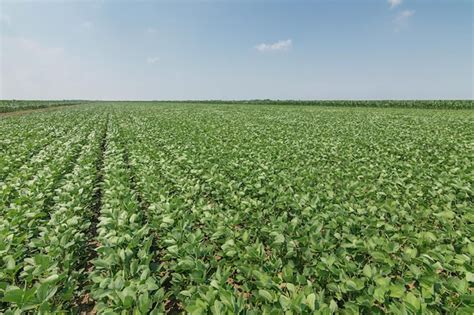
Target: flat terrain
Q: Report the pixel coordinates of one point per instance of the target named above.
(9, 106)
(237, 208)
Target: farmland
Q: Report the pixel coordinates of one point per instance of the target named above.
(238, 208)
(16, 105)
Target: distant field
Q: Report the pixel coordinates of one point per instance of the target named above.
(13, 105)
(243, 208)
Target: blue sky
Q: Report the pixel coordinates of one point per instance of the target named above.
(367, 49)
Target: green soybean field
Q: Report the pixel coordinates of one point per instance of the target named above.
(17, 105)
(237, 208)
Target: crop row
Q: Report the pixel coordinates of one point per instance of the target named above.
(337, 232)
(122, 278)
(44, 221)
(24, 143)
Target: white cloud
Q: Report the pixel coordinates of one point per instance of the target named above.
(5, 19)
(405, 15)
(402, 18)
(152, 60)
(281, 45)
(87, 25)
(394, 3)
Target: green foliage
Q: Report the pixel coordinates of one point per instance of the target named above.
(17, 105)
(238, 209)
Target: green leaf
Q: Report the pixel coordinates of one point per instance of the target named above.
(354, 284)
(217, 308)
(460, 285)
(285, 302)
(410, 253)
(144, 302)
(51, 279)
(469, 276)
(13, 295)
(379, 294)
(412, 300)
(291, 287)
(42, 291)
(367, 271)
(151, 284)
(168, 220)
(311, 300)
(333, 306)
(197, 308)
(448, 214)
(45, 292)
(174, 250)
(266, 295)
(9, 262)
(279, 239)
(396, 290)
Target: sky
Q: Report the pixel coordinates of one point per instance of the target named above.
(179, 50)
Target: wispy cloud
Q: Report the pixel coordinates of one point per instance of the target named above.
(5, 19)
(394, 3)
(404, 15)
(87, 25)
(402, 18)
(152, 60)
(281, 45)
